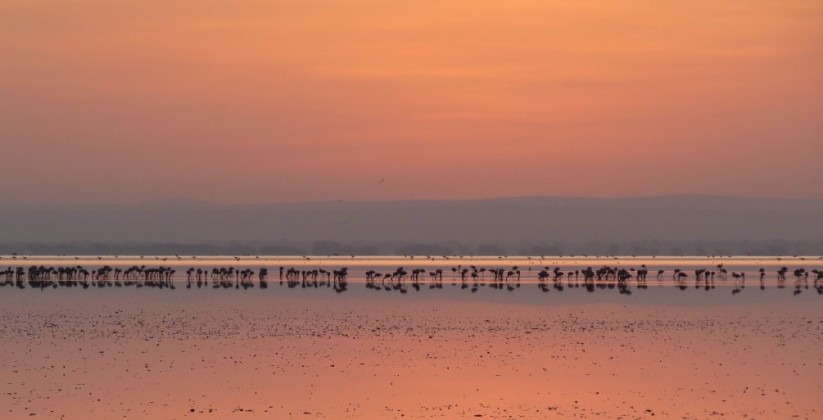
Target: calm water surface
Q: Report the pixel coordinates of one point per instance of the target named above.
(664, 290)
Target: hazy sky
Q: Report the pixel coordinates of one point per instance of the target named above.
(237, 101)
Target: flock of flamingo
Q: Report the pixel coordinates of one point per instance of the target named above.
(400, 280)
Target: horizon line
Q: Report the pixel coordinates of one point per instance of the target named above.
(187, 200)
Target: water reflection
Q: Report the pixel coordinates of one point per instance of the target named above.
(525, 278)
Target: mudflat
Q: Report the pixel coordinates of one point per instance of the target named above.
(199, 354)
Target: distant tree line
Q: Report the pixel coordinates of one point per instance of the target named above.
(742, 247)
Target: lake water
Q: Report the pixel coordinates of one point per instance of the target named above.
(670, 350)
(520, 283)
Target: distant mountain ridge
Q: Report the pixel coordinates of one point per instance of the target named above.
(507, 224)
(698, 200)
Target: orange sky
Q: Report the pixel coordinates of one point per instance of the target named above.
(237, 101)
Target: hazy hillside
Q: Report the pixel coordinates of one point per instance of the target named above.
(535, 225)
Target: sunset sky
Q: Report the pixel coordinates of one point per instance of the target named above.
(241, 101)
